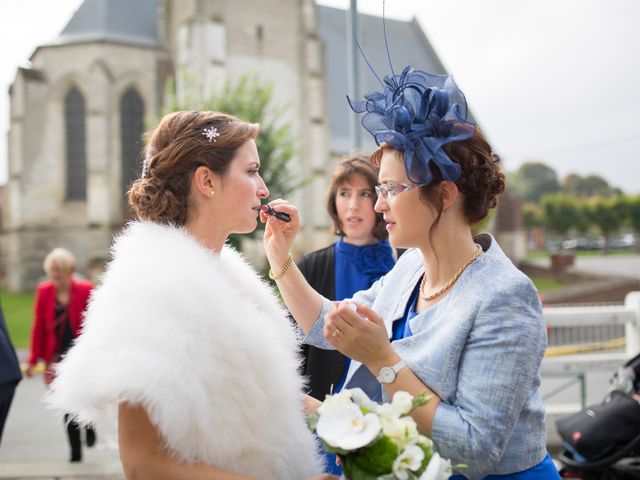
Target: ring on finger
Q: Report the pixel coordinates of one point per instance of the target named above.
(337, 332)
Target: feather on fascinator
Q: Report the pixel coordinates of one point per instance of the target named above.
(417, 113)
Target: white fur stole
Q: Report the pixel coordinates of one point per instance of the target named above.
(201, 342)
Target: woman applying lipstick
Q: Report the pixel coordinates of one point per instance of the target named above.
(182, 336)
(454, 317)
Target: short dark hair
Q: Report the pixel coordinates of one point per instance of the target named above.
(355, 164)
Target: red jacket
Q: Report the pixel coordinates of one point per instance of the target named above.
(43, 335)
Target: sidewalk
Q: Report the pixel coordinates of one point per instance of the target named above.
(34, 444)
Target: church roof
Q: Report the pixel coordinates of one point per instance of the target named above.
(133, 22)
(408, 45)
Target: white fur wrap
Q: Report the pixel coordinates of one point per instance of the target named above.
(201, 342)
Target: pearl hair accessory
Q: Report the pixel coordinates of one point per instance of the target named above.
(211, 133)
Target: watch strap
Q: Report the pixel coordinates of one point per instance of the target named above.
(395, 368)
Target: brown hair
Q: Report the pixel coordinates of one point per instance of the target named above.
(481, 180)
(355, 164)
(175, 148)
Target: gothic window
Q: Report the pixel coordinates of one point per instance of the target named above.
(131, 130)
(76, 161)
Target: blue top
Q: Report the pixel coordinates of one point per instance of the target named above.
(357, 267)
(491, 417)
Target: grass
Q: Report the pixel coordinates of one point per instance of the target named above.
(533, 255)
(18, 314)
(547, 284)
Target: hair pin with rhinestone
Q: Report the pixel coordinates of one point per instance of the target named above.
(211, 133)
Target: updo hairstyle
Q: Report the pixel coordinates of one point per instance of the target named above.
(481, 180)
(175, 148)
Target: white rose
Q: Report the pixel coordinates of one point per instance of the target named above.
(438, 469)
(341, 398)
(426, 441)
(360, 398)
(402, 403)
(410, 459)
(344, 426)
(402, 431)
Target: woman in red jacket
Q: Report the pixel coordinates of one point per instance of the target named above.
(58, 314)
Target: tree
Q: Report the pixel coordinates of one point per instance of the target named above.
(589, 186)
(251, 101)
(559, 212)
(608, 215)
(633, 215)
(531, 215)
(533, 180)
(582, 221)
(573, 184)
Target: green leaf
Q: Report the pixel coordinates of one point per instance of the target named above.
(312, 421)
(421, 400)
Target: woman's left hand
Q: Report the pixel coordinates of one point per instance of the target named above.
(359, 334)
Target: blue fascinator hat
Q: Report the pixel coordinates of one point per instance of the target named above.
(418, 113)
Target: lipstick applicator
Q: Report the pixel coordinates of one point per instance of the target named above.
(285, 217)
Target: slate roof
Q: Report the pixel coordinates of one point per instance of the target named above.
(407, 45)
(132, 22)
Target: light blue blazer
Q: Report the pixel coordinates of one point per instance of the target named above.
(479, 349)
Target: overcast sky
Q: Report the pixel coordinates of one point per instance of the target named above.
(551, 80)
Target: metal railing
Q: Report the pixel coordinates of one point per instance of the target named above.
(609, 334)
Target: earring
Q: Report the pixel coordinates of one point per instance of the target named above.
(212, 193)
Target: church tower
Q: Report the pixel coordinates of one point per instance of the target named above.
(77, 116)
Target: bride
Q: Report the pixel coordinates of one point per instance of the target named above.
(182, 335)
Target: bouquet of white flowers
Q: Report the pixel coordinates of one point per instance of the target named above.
(377, 441)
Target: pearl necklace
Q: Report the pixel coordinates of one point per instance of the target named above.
(450, 282)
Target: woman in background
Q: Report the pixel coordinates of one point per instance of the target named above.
(58, 311)
(358, 258)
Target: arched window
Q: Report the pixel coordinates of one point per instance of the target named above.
(131, 130)
(74, 126)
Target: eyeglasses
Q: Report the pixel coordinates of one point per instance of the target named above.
(391, 189)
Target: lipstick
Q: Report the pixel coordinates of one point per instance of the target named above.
(285, 217)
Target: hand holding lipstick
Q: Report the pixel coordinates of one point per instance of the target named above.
(285, 217)
(282, 225)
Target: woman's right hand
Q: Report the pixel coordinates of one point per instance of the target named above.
(278, 235)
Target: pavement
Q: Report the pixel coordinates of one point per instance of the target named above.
(34, 443)
(605, 265)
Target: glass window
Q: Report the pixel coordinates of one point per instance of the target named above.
(75, 133)
(131, 130)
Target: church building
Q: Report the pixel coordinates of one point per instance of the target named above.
(78, 112)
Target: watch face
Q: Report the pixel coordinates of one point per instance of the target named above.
(387, 375)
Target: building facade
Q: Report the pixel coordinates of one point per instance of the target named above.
(79, 111)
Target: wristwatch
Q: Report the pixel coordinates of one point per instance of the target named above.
(388, 374)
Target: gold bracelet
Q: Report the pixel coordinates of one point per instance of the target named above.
(284, 270)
